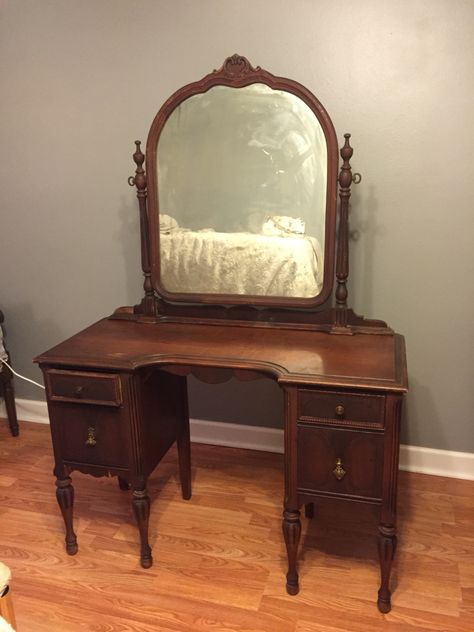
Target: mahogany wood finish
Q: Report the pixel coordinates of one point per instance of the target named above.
(340, 462)
(148, 305)
(116, 424)
(320, 373)
(342, 269)
(117, 393)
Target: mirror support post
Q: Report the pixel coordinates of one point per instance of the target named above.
(148, 304)
(342, 261)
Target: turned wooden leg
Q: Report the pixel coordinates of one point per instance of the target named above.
(387, 545)
(123, 484)
(309, 510)
(65, 498)
(184, 456)
(9, 397)
(141, 509)
(291, 532)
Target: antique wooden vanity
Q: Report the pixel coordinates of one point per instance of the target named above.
(238, 210)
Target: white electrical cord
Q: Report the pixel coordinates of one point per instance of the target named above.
(21, 376)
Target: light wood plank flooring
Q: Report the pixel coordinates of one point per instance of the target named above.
(219, 559)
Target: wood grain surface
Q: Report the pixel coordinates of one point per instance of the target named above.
(290, 356)
(220, 558)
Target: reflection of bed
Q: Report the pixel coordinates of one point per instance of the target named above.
(240, 263)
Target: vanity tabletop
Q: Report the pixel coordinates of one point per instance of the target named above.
(290, 355)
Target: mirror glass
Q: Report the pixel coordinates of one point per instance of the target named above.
(242, 176)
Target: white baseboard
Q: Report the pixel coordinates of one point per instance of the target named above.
(412, 458)
(29, 410)
(437, 462)
(237, 435)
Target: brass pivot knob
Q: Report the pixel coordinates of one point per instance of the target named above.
(339, 472)
(340, 411)
(91, 440)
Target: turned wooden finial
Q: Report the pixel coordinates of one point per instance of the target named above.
(138, 156)
(139, 181)
(342, 262)
(345, 176)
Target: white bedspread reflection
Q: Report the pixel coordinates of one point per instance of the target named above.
(240, 263)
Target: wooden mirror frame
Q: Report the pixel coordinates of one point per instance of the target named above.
(315, 313)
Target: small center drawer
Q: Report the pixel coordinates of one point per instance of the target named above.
(86, 388)
(341, 408)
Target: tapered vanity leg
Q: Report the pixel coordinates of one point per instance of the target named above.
(184, 456)
(184, 445)
(65, 498)
(124, 485)
(141, 509)
(387, 546)
(291, 532)
(387, 541)
(309, 510)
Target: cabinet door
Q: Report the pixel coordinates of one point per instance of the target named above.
(91, 435)
(340, 462)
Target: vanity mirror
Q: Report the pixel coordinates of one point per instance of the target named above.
(238, 205)
(239, 199)
(241, 179)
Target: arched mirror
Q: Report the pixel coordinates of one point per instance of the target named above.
(242, 176)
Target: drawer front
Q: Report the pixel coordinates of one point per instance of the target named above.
(341, 408)
(340, 462)
(84, 387)
(90, 434)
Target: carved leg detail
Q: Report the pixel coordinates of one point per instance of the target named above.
(184, 456)
(309, 510)
(9, 397)
(292, 531)
(141, 509)
(65, 498)
(123, 484)
(387, 545)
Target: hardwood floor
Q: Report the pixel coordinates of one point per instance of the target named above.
(219, 559)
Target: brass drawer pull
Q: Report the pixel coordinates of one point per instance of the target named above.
(340, 411)
(79, 391)
(339, 472)
(91, 440)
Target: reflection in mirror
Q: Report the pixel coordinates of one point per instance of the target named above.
(242, 194)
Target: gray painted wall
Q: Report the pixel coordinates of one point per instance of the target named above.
(82, 80)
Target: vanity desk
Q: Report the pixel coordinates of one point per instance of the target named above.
(262, 236)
